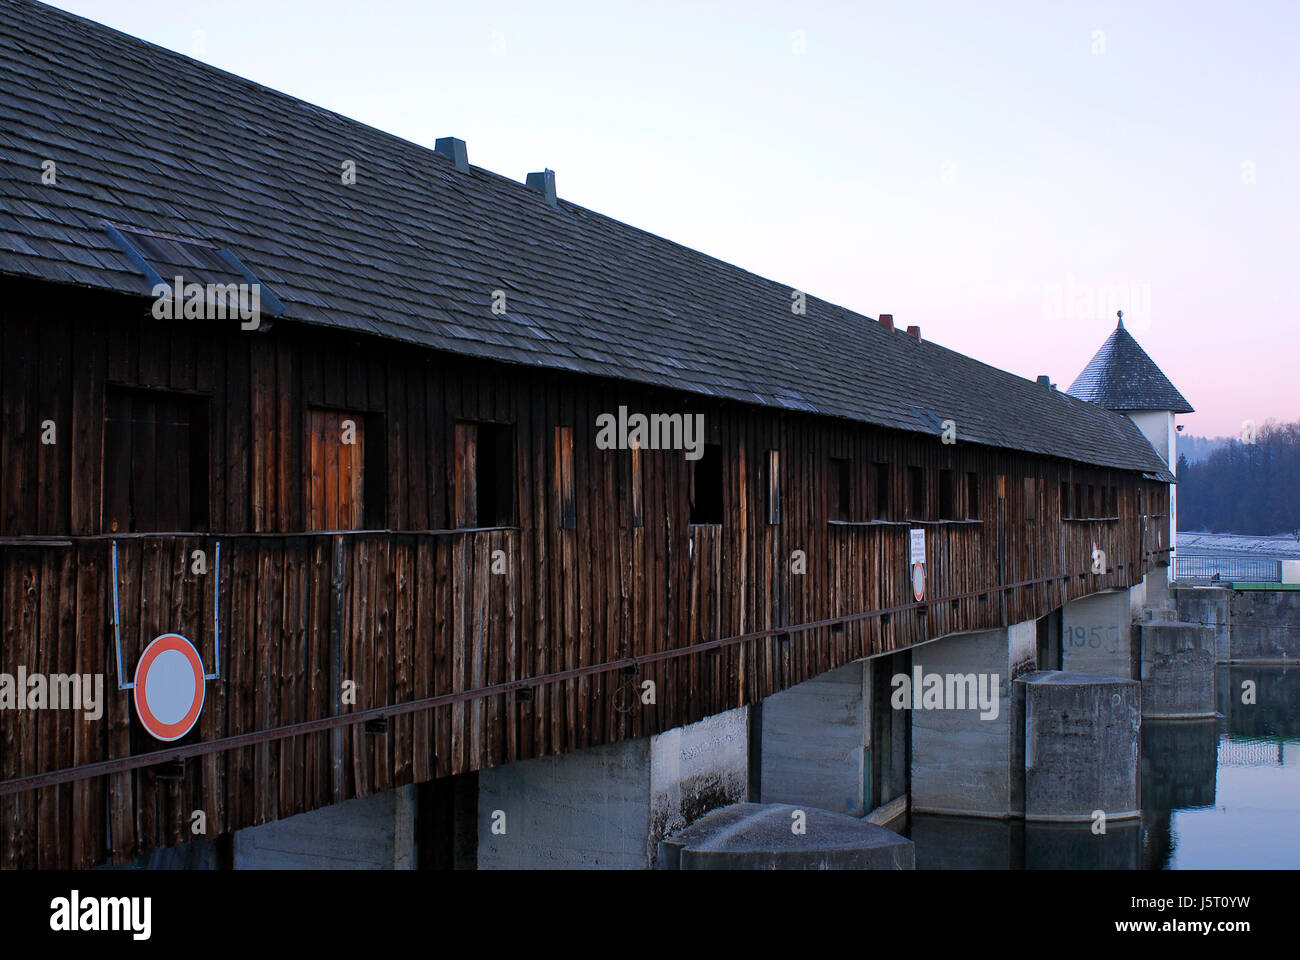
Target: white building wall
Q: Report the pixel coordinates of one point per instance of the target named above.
(1158, 427)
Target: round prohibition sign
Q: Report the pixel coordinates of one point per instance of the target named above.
(169, 687)
(918, 581)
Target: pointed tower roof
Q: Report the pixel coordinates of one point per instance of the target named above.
(1122, 377)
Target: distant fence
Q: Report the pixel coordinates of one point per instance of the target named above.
(1249, 753)
(1242, 569)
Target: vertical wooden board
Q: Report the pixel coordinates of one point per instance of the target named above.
(87, 733)
(465, 478)
(88, 366)
(416, 373)
(381, 679)
(54, 408)
(573, 596)
(11, 592)
(261, 441)
(551, 698)
(403, 639)
(461, 641)
(122, 785)
(322, 691)
(50, 726)
(423, 597)
(212, 722)
(180, 374)
(287, 655)
(397, 427)
(237, 461)
(477, 588)
(492, 592)
(245, 642)
(155, 353)
(20, 438)
(268, 651)
(288, 441)
(334, 387)
(355, 667)
(585, 567)
(443, 644)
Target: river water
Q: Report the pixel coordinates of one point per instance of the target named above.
(1216, 794)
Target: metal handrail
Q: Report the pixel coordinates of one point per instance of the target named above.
(1227, 569)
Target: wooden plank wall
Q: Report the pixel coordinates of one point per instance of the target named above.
(416, 610)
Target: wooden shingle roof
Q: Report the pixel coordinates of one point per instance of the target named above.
(1123, 377)
(149, 139)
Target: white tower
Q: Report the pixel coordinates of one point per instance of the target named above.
(1123, 378)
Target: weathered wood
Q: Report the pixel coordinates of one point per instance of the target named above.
(601, 565)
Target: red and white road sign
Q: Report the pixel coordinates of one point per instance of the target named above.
(169, 687)
(917, 538)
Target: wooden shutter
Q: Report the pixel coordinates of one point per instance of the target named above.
(335, 460)
(566, 507)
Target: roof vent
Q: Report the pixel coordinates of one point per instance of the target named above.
(544, 183)
(916, 332)
(451, 147)
(1045, 381)
(887, 321)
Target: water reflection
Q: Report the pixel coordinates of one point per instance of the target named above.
(1220, 793)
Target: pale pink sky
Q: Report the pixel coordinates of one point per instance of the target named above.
(1001, 174)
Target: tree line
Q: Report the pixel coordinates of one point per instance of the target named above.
(1246, 488)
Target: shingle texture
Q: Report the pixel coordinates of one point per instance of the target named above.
(151, 139)
(1122, 377)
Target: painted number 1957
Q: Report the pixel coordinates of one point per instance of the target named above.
(1094, 638)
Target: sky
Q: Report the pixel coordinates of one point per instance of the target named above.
(1004, 175)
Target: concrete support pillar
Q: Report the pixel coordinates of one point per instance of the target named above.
(1082, 747)
(815, 742)
(1097, 635)
(1211, 607)
(367, 833)
(1158, 591)
(1265, 626)
(1177, 669)
(967, 761)
(608, 807)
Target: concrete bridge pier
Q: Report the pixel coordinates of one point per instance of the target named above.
(1177, 669)
(1211, 607)
(609, 806)
(1082, 748)
(366, 833)
(966, 761)
(1097, 634)
(816, 740)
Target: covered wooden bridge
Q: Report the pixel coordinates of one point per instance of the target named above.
(380, 513)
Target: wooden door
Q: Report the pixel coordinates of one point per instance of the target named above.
(336, 478)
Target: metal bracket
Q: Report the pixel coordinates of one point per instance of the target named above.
(216, 621)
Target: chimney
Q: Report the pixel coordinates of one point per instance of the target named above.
(544, 183)
(916, 332)
(451, 147)
(887, 321)
(1045, 381)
